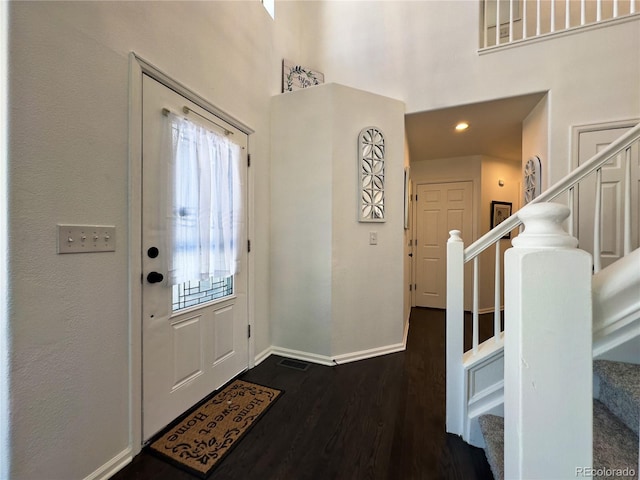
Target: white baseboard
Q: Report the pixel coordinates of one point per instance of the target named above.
(482, 311)
(262, 356)
(337, 359)
(372, 352)
(405, 335)
(112, 466)
(304, 356)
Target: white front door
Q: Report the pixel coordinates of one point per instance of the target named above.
(195, 334)
(613, 191)
(440, 208)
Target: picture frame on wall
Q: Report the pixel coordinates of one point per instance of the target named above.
(500, 211)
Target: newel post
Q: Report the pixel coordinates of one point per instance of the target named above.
(548, 352)
(455, 333)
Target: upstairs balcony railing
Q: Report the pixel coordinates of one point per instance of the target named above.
(506, 22)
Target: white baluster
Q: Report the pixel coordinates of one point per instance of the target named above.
(475, 332)
(597, 220)
(510, 21)
(538, 29)
(524, 19)
(485, 22)
(571, 193)
(632, 6)
(627, 201)
(498, 22)
(496, 311)
(598, 10)
(615, 8)
(553, 16)
(567, 14)
(583, 12)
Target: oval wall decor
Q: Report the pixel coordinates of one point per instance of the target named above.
(371, 152)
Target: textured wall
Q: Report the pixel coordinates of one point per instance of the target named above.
(426, 54)
(333, 293)
(69, 325)
(367, 279)
(69, 74)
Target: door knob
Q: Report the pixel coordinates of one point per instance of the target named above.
(155, 277)
(411, 254)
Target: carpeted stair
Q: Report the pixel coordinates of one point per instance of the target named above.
(616, 418)
(492, 428)
(620, 390)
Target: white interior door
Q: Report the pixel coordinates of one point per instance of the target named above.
(441, 207)
(194, 335)
(613, 190)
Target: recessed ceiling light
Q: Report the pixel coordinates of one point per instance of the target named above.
(462, 126)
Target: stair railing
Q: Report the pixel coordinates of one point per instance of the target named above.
(507, 22)
(458, 256)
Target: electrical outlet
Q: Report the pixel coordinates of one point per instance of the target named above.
(86, 238)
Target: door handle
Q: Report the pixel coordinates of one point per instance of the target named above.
(155, 277)
(411, 254)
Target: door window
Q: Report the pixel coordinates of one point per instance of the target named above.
(205, 212)
(191, 293)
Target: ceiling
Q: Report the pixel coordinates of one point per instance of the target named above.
(495, 129)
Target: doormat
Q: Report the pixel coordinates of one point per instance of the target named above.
(202, 439)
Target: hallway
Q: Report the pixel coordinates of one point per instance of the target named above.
(380, 418)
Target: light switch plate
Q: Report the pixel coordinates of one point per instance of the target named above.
(86, 238)
(373, 238)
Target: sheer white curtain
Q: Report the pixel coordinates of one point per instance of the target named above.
(205, 203)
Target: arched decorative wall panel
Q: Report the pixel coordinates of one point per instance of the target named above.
(371, 157)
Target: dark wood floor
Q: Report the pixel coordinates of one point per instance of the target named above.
(381, 418)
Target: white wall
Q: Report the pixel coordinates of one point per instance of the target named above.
(367, 291)
(535, 140)
(333, 294)
(425, 53)
(494, 169)
(69, 77)
(407, 239)
(302, 220)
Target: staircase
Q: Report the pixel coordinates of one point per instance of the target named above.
(616, 409)
(475, 378)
